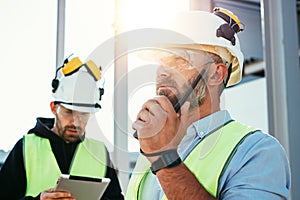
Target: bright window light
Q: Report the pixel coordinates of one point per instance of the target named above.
(145, 13)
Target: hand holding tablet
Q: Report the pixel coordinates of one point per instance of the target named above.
(82, 188)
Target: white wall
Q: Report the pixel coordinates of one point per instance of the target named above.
(247, 103)
(28, 39)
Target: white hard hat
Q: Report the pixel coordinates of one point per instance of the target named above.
(214, 33)
(77, 88)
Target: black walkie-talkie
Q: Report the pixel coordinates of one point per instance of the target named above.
(178, 105)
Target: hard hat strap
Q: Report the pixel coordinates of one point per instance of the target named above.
(228, 76)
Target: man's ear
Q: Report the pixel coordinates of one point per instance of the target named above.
(53, 107)
(218, 74)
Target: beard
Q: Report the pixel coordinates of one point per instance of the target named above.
(72, 137)
(196, 98)
(62, 131)
(170, 94)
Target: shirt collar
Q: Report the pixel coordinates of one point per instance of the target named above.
(209, 123)
(199, 129)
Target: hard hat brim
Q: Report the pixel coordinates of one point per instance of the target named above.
(81, 108)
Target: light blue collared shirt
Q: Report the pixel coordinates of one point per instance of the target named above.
(258, 170)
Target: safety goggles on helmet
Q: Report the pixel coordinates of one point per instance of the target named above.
(75, 64)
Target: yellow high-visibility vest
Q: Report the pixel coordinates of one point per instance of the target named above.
(42, 170)
(208, 160)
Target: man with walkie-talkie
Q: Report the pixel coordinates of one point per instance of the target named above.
(190, 148)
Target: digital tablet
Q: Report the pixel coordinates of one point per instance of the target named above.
(82, 188)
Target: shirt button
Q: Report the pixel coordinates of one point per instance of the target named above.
(201, 133)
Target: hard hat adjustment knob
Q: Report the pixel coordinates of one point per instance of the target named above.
(226, 32)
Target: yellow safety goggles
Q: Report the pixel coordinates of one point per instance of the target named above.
(75, 64)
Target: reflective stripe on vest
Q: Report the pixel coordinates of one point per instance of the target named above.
(42, 170)
(207, 160)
